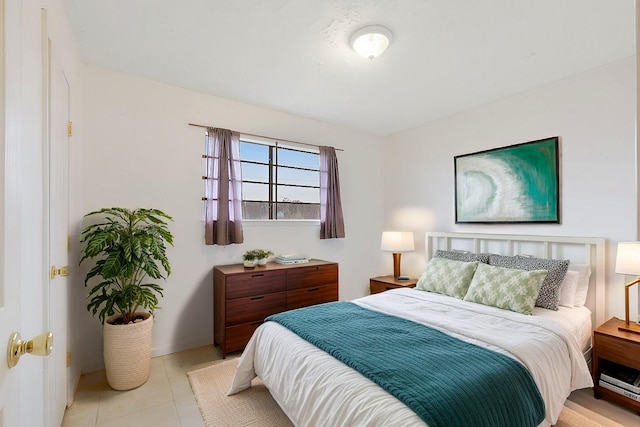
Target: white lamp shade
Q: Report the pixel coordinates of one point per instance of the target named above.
(397, 241)
(628, 258)
(371, 41)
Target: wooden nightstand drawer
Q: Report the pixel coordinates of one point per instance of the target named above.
(386, 283)
(617, 350)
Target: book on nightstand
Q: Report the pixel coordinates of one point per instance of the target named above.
(623, 377)
(619, 390)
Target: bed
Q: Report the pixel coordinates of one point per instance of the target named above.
(317, 387)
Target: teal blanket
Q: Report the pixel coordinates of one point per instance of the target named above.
(446, 381)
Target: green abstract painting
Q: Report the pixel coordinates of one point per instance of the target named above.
(518, 184)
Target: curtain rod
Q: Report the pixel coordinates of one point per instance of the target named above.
(262, 136)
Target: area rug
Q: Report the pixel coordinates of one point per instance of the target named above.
(256, 407)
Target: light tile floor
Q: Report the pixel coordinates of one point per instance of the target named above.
(166, 399)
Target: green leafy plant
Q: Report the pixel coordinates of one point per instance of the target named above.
(256, 254)
(261, 253)
(250, 255)
(130, 247)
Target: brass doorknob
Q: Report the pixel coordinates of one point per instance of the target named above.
(39, 346)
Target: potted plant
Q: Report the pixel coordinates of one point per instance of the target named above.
(250, 258)
(129, 247)
(263, 256)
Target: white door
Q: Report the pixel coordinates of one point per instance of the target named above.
(9, 277)
(58, 150)
(21, 283)
(23, 229)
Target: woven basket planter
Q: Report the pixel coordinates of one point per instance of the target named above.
(127, 352)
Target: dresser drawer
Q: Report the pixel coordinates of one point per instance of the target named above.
(256, 283)
(238, 336)
(310, 296)
(249, 309)
(313, 276)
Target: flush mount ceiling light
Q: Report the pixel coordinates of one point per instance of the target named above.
(371, 41)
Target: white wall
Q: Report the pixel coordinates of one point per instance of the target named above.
(140, 152)
(593, 113)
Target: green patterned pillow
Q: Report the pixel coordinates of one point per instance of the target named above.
(502, 287)
(448, 277)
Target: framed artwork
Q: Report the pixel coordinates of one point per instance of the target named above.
(514, 184)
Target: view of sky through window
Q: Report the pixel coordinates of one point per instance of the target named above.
(287, 178)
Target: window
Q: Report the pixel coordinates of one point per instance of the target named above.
(279, 181)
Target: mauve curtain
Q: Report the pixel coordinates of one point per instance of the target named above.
(331, 219)
(223, 207)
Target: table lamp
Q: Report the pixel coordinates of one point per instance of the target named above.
(397, 242)
(628, 263)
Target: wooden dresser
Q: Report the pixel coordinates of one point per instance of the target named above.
(243, 297)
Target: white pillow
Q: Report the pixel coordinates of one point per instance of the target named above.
(568, 289)
(584, 272)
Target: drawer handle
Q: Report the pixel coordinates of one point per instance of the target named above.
(255, 298)
(388, 288)
(257, 275)
(313, 289)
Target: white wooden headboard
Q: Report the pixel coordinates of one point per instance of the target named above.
(580, 250)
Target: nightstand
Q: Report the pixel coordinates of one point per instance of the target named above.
(612, 345)
(385, 283)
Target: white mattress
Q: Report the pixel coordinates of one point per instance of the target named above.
(313, 388)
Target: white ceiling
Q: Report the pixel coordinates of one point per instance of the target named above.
(293, 55)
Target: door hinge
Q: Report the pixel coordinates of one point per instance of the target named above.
(70, 128)
(68, 243)
(68, 359)
(62, 271)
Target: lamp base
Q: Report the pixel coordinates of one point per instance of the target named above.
(632, 327)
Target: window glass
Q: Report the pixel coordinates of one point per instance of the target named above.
(254, 152)
(298, 194)
(279, 183)
(297, 176)
(298, 159)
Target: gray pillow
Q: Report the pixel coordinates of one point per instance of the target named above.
(549, 296)
(463, 256)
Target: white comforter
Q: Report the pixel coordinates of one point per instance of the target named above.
(314, 389)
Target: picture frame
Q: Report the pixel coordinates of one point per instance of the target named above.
(514, 184)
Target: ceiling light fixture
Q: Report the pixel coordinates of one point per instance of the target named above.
(371, 41)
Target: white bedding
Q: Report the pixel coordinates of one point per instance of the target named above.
(577, 319)
(315, 389)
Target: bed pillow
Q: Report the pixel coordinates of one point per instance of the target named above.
(584, 272)
(462, 256)
(568, 289)
(446, 276)
(511, 289)
(549, 296)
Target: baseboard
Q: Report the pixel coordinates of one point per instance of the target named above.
(181, 346)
